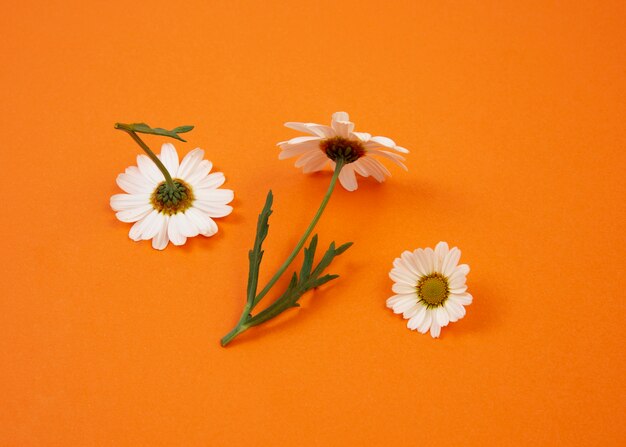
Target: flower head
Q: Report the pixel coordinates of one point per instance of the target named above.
(164, 213)
(430, 288)
(327, 144)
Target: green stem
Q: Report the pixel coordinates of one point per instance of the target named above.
(129, 130)
(242, 325)
(233, 333)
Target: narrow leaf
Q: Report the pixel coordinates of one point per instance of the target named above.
(144, 128)
(255, 255)
(309, 255)
(343, 248)
(182, 129)
(324, 279)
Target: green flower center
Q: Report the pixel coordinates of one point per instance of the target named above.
(170, 201)
(342, 148)
(433, 289)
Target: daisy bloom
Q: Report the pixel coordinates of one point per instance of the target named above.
(325, 145)
(430, 288)
(164, 212)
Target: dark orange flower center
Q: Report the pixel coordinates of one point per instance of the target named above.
(342, 148)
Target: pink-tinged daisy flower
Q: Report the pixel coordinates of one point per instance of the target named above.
(163, 213)
(430, 288)
(327, 144)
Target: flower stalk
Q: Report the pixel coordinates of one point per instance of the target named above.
(132, 129)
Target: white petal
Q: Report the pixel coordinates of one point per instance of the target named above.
(364, 137)
(134, 214)
(341, 124)
(421, 268)
(137, 231)
(318, 130)
(459, 272)
(160, 240)
(200, 172)
(455, 310)
(401, 149)
(360, 169)
(384, 141)
(375, 168)
(450, 261)
(457, 281)
(295, 150)
(153, 224)
(169, 157)
(435, 329)
(399, 277)
(211, 181)
(442, 317)
(316, 163)
(408, 261)
(425, 258)
(441, 250)
(412, 311)
(149, 170)
(304, 159)
(190, 163)
(133, 182)
(213, 209)
(418, 318)
(348, 179)
(341, 116)
(404, 304)
(185, 225)
(402, 288)
(202, 221)
(379, 141)
(395, 158)
(121, 202)
(217, 196)
(458, 290)
(396, 298)
(174, 232)
(464, 299)
(426, 322)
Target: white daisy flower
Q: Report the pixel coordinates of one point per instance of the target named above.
(430, 288)
(339, 141)
(164, 214)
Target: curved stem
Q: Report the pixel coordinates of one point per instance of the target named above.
(304, 237)
(148, 151)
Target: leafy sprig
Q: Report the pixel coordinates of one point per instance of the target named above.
(310, 277)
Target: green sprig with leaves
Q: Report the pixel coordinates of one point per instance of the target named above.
(309, 277)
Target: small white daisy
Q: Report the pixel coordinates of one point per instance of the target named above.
(329, 143)
(164, 214)
(430, 288)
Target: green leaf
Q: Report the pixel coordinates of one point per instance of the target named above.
(144, 128)
(182, 129)
(255, 255)
(343, 248)
(323, 280)
(309, 255)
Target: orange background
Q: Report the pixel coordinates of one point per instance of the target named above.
(514, 113)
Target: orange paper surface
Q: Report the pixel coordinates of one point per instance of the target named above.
(514, 115)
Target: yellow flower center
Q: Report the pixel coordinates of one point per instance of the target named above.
(433, 289)
(342, 148)
(171, 201)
